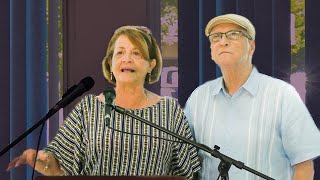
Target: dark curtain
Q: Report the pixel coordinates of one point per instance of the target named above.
(273, 49)
(312, 50)
(188, 48)
(24, 88)
(5, 84)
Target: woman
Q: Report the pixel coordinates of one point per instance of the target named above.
(86, 145)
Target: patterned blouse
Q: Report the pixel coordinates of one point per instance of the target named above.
(85, 145)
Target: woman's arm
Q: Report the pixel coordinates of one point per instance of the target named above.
(46, 163)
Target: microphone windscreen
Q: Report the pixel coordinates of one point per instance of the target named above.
(87, 83)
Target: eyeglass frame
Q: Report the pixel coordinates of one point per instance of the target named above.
(227, 36)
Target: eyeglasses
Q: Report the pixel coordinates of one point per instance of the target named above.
(230, 35)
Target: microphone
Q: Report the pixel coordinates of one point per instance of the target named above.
(75, 91)
(109, 95)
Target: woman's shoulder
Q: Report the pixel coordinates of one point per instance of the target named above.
(155, 100)
(90, 98)
(170, 101)
(87, 101)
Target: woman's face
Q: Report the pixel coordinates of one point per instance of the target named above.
(128, 65)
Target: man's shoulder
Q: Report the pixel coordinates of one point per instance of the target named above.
(274, 85)
(211, 84)
(269, 80)
(206, 89)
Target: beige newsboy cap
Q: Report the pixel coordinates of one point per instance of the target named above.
(233, 19)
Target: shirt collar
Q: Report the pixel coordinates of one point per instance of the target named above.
(218, 86)
(251, 85)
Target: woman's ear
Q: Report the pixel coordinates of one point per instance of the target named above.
(153, 64)
(110, 64)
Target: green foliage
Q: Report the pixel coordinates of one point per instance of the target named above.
(60, 42)
(165, 3)
(169, 21)
(298, 50)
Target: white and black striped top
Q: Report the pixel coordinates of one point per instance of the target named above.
(84, 145)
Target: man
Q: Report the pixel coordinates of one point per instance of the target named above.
(256, 119)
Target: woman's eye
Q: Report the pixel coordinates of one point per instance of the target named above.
(136, 53)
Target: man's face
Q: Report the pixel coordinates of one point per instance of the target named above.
(234, 51)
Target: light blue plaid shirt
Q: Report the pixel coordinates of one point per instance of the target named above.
(264, 124)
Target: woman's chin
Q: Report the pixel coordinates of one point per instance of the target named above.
(128, 81)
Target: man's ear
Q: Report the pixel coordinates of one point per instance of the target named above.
(252, 47)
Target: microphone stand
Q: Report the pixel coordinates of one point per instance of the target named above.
(47, 116)
(225, 161)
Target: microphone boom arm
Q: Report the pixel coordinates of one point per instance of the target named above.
(47, 116)
(75, 91)
(226, 161)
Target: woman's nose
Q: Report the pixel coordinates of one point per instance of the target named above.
(127, 58)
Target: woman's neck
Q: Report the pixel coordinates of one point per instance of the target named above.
(131, 97)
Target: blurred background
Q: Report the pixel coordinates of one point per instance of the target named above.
(46, 46)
